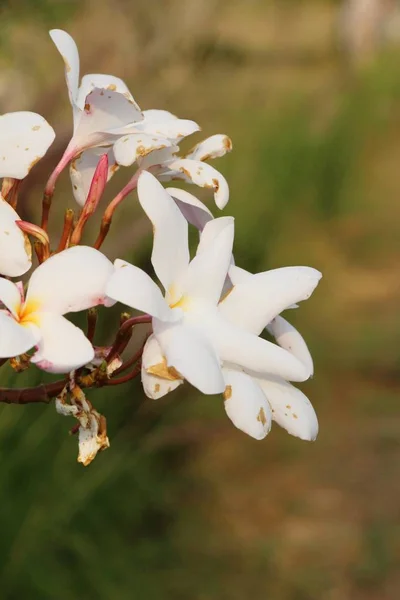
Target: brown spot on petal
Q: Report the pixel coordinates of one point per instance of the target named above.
(227, 143)
(216, 184)
(295, 416)
(87, 107)
(288, 406)
(36, 128)
(261, 416)
(67, 65)
(112, 87)
(227, 392)
(157, 388)
(162, 370)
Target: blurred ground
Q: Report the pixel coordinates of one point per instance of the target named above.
(183, 505)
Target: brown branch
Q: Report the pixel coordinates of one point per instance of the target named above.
(43, 393)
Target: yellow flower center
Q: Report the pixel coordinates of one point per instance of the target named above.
(26, 313)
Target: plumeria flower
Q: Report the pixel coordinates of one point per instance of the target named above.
(15, 248)
(103, 107)
(192, 168)
(70, 281)
(193, 336)
(267, 398)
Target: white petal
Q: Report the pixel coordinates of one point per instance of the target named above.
(24, 139)
(69, 51)
(135, 145)
(211, 231)
(15, 338)
(10, 295)
(246, 404)
(104, 115)
(154, 386)
(158, 161)
(92, 437)
(291, 340)
(291, 409)
(15, 248)
(72, 280)
(104, 82)
(238, 275)
(172, 129)
(154, 115)
(133, 287)
(63, 346)
(206, 274)
(170, 255)
(82, 170)
(212, 147)
(236, 346)
(253, 303)
(195, 212)
(191, 355)
(204, 175)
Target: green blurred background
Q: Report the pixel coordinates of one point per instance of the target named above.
(183, 505)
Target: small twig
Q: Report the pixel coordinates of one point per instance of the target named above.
(91, 323)
(66, 232)
(131, 361)
(125, 378)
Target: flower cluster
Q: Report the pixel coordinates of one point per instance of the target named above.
(206, 319)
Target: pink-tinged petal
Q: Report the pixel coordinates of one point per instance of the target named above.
(15, 248)
(82, 170)
(70, 281)
(246, 404)
(16, 339)
(105, 114)
(130, 147)
(213, 147)
(170, 255)
(133, 287)
(253, 303)
(104, 82)
(69, 52)
(63, 346)
(191, 355)
(203, 175)
(195, 212)
(24, 139)
(241, 348)
(155, 386)
(291, 340)
(291, 409)
(206, 274)
(10, 296)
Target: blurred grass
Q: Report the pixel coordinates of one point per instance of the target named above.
(182, 505)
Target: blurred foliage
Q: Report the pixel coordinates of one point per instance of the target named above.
(182, 505)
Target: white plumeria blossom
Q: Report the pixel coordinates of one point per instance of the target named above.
(24, 139)
(70, 281)
(15, 248)
(192, 168)
(194, 336)
(252, 400)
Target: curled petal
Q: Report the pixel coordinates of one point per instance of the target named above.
(16, 339)
(137, 145)
(291, 340)
(63, 347)
(69, 52)
(212, 147)
(203, 175)
(105, 114)
(15, 248)
(70, 281)
(10, 296)
(103, 82)
(246, 404)
(291, 409)
(195, 212)
(153, 361)
(133, 287)
(24, 139)
(170, 255)
(191, 355)
(83, 168)
(206, 274)
(254, 302)
(172, 129)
